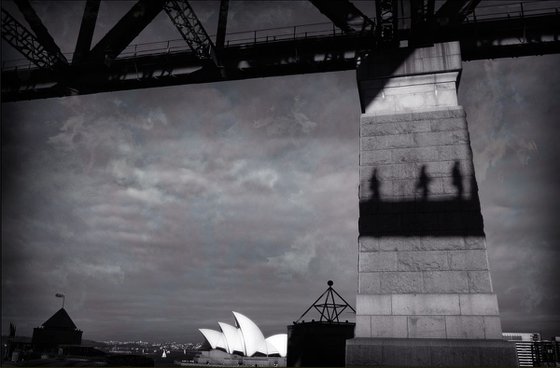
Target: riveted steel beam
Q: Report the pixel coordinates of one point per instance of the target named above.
(344, 15)
(41, 33)
(86, 30)
(222, 24)
(20, 38)
(455, 11)
(126, 30)
(184, 18)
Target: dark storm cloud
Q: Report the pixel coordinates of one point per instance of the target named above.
(184, 202)
(512, 111)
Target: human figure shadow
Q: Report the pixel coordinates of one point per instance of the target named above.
(457, 179)
(374, 186)
(438, 213)
(424, 183)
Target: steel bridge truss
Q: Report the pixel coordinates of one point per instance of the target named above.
(109, 66)
(24, 41)
(182, 15)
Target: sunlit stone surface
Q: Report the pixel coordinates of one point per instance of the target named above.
(424, 289)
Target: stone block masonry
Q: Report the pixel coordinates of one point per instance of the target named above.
(423, 273)
(422, 252)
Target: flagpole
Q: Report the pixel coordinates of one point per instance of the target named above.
(58, 295)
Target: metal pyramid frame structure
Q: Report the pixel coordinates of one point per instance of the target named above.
(329, 309)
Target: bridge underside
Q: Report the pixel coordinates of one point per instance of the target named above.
(299, 54)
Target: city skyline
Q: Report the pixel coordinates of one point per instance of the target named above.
(157, 212)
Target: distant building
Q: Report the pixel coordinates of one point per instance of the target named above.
(55, 336)
(243, 344)
(321, 343)
(57, 330)
(534, 352)
(58, 342)
(16, 347)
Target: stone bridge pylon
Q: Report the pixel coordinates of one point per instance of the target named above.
(425, 294)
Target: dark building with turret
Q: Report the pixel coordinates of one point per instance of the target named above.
(48, 339)
(57, 330)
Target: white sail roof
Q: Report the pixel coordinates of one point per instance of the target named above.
(216, 339)
(252, 335)
(233, 337)
(246, 338)
(270, 348)
(280, 344)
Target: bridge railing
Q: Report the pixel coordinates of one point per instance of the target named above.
(513, 10)
(243, 38)
(482, 13)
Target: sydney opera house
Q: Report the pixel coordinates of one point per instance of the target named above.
(243, 344)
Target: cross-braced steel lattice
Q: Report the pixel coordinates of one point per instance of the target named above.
(329, 309)
(182, 15)
(25, 42)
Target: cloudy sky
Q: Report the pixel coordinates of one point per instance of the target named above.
(157, 212)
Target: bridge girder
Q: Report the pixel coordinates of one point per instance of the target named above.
(41, 33)
(386, 12)
(185, 20)
(20, 38)
(100, 70)
(222, 24)
(126, 30)
(87, 27)
(455, 11)
(345, 15)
